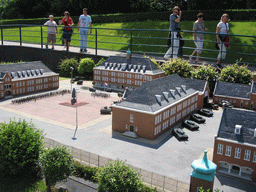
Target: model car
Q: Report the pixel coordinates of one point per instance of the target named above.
(197, 118)
(190, 125)
(179, 134)
(109, 90)
(92, 89)
(211, 106)
(205, 112)
(105, 110)
(225, 103)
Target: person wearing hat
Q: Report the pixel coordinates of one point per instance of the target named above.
(51, 31)
(198, 37)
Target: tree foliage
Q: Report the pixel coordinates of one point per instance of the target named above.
(65, 65)
(57, 164)
(118, 176)
(86, 65)
(20, 146)
(179, 66)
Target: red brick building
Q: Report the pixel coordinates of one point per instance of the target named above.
(157, 105)
(119, 73)
(235, 144)
(239, 95)
(25, 78)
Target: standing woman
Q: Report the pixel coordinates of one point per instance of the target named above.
(67, 21)
(175, 18)
(198, 37)
(223, 39)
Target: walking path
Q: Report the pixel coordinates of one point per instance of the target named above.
(107, 53)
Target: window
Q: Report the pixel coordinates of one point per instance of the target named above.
(173, 111)
(179, 107)
(254, 157)
(220, 149)
(131, 118)
(228, 151)
(247, 155)
(237, 153)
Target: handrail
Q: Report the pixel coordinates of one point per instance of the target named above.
(131, 41)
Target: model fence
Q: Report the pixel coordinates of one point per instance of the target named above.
(161, 182)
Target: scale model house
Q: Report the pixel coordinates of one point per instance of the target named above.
(157, 105)
(239, 95)
(235, 144)
(119, 73)
(24, 78)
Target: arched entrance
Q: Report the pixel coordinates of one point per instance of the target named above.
(8, 92)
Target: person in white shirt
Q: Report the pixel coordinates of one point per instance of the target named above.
(222, 37)
(51, 31)
(85, 21)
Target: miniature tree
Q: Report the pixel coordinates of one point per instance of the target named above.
(118, 176)
(20, 146)
(86, 65)
(65, 65)
(57, 164)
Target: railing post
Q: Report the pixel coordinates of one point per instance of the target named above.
(42, 40)
(131, 43)
(2, 35)
(96, 42)
(172, 41)
(20, 36)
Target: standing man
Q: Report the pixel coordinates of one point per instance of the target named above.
(51, 28)
(175, 18)
(85, 21)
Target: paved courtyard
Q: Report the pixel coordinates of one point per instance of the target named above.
(166, 155)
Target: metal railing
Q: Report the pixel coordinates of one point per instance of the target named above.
(161, 182)
(141, 41)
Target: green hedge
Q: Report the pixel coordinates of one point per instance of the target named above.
(161, 16)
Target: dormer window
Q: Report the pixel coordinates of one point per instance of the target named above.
(178, 90)
(158, 98)
(183, 88)
(238, 129)
(255, 132)
(166, 95)
(172, 92)
(106, 65)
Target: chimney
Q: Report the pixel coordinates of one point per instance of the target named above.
(254, 77)
(128, 54)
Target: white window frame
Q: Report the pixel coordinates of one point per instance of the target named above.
(132, 118)
(247, 155)
(228, 150)
(237, 153)
(254, 157)
(220, 149)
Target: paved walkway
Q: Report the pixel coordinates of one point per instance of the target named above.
(107, 53)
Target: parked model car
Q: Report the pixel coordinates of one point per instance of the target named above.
(225, 103)
(105, 110)
(206, 112)
(197, 118)
(211, 106)
(92, 89)
(179, 134)
(191, 125)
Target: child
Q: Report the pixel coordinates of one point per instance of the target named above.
(51, 28)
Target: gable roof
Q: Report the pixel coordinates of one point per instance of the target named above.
(144, 97)
(133, 64)
(25, 70)
(231, 118)
(232, 90)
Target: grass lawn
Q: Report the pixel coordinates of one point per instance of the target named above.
(109, 35)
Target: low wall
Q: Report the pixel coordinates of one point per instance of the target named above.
(51, 58)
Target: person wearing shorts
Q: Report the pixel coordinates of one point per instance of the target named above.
(52, 30)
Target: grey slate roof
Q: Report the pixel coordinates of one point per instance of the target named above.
(143, 98)
(25, 70)
(231, 118)
(233, 90)
(131, 65)
(254, 87)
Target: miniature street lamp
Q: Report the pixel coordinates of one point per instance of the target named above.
(74, 102)
(71, 81)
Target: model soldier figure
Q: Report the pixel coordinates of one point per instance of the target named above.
(73, 100)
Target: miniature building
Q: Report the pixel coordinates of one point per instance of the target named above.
(157, 105)
(203, 174)
(235, 144)
(24, 78)
(239, 95)
(119, 72)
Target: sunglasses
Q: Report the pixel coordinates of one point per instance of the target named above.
(175, 12)
(200, 16)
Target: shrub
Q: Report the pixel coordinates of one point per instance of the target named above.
(20, 146)
(236, 74)
(57, 164)
(118, 176)
(206, 72)
(65, 65)
(100, 62)
(86, 65)
(179, 66)
(86, 172)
